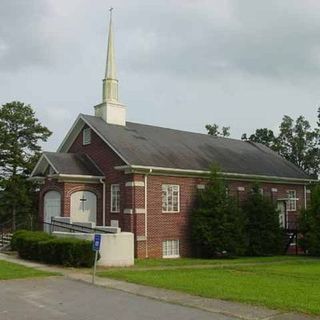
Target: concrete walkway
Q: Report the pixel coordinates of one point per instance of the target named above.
(216, 306)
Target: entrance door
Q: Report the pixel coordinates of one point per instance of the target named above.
(52, 207)
(83, 207)
(282, 213)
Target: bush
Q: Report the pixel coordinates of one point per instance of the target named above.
(262, 225)
(309, 224)
(217, 222)
(43, 247)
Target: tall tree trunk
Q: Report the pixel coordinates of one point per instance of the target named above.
(14, 213)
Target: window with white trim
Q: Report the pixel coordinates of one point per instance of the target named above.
(292, 202)
(170, 249)
(86, 136)
(170, 198)
(115, 198)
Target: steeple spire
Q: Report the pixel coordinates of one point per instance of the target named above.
(111, 110)
(110, 82)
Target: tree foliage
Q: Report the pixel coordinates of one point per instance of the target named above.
(214, 130)
(20, 134)
(309, 224)
(296, 141)
(264, 136)
(262, 224)
(217, 222)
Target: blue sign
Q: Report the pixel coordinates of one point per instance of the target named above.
(96, 242)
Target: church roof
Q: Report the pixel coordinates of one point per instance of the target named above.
(152, 146)
(72, 164)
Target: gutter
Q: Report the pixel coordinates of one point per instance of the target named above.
(76, 176)
(146, 210)
(102, 180)
(232, 176)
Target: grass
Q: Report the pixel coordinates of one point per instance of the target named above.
(10, 270)
(146, 263)
(287, 283)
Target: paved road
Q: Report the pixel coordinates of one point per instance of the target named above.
(57, 298)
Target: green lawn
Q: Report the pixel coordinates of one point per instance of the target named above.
(146, 263)
(10, 270)
(287, 283)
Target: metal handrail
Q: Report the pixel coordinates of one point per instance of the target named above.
(75, 227)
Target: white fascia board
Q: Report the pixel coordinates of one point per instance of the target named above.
(37, 165)
(70, 134)
(53, 167)
(233, 176)
(77, 176)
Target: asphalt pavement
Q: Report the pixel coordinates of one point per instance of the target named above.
(57, 298)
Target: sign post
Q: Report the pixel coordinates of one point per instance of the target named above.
(95, 247)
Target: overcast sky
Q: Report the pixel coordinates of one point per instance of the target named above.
(181, 63)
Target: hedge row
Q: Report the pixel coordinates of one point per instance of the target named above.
(41, 246)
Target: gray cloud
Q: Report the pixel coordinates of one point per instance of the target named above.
(182, 63)
(23, 41)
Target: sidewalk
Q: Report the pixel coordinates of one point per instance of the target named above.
(216, 306)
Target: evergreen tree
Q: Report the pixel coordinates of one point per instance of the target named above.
(20, 134)
(217, 222)
(309, 224)
(262, 224)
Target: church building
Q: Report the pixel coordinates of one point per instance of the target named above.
(144, 179)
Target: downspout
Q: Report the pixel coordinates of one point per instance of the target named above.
(146, 210)
(102, 180)
(305, 196)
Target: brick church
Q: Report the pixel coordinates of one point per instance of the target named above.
(144, 178)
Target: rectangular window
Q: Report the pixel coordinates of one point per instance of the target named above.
(86, 136)
(115, 198)
(170, 198)
(292, 203)
(170, 249)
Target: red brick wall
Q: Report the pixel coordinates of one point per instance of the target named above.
(172, 226)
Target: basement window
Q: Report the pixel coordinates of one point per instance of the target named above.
(170, 249)
(86, 136)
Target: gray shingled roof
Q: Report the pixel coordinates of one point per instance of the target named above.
(71, 163)
(146, 145)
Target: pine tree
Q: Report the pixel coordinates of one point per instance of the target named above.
(20, 134)
(309, 224)
(262, 224)
(217, 222)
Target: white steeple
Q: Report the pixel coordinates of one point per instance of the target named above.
(111, 110)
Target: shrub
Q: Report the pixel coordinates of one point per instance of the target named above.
(309, 224)
(217, 222)
(43, 247)
(262, 225)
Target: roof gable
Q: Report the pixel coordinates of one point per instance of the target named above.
(66, 164)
